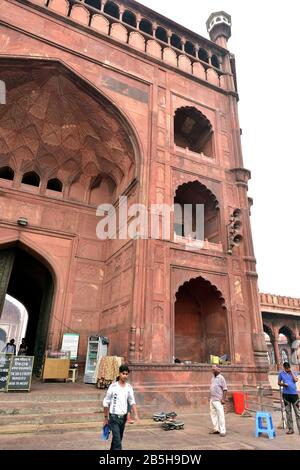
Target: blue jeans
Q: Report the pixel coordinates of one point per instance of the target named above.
(117, 426)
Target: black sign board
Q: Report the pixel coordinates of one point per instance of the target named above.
(21, 373)
(5, 365)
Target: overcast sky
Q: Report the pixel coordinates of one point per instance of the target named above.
(265, 41)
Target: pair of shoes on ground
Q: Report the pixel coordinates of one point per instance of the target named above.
(222, 434)
(164, 416)
(290, 431)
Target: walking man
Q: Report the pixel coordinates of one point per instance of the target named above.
(218, 391)
(115, 404)
(287, 379)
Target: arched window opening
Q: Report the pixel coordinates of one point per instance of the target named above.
(176, 41)
(285, 341)
(31, 178)
(55, 185)
(94, 3)
(284, 356)
(196, 213)
(146, 26)
(7, 173)
(161, 34)
(193, 130)
(190, 48)
(200, 322)
(129, 18)
(102, 190)
(215, 61)
(286, 336)
(203, 55)
(112, 10)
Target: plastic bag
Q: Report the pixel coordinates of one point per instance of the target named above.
(105, 432)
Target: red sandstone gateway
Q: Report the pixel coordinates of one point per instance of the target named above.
(118, 100)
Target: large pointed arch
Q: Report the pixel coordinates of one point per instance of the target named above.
(106, 133)
(200, 322)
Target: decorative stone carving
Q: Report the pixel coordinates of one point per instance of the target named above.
(59, 6)
(212, 77)
(170, 56)
(153, 48)
(184, 63)
(100, 23)
(119, 32)
(137, 41)
(199, 70)
(81, 14)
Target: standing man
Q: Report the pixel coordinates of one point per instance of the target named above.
(115, 404)
(10, 347)
(218, 391)
(287, 379)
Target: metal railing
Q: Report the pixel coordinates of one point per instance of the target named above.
(261, 398)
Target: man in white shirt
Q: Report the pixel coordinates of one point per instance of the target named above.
(218, 391)
(115, 404)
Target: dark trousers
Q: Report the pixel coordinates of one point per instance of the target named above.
(117, 426)
(289, 402)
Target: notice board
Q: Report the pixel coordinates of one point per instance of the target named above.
(5, 366)
(21, 373)
(70, 343)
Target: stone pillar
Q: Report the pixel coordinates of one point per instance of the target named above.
(138, 20)
(183, 41)
(121, 11)
(276, 352)
(154, 28)
(169, 34)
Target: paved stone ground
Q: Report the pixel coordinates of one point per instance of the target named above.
(149, 436)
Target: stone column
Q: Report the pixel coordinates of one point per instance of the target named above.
(183, 41)
(169, 34)
(276, 352)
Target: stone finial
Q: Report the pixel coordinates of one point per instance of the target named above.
(218, 26)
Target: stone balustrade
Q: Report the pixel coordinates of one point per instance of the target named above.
(180, 57)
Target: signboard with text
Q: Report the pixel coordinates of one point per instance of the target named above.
(21, 373)
(5, 366)
(70, 343)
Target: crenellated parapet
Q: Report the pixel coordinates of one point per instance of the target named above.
(144, 30)
(279, 302)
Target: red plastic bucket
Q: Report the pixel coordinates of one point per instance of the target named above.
(238, 402)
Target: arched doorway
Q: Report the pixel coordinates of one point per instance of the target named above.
(285, 341)
(200, 322)
(28, 279)
(13, 322)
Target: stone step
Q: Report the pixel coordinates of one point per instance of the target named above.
(63, 427)
(59, 418)
(17, 408)
(25, 396)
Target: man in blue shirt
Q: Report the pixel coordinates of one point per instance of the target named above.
(287, 379)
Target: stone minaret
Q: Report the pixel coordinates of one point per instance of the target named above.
(218, 26)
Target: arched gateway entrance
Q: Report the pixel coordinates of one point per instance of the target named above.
(28, 279)
(65, 149)
(200, 322)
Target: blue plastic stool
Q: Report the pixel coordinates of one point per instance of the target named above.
(262, 416)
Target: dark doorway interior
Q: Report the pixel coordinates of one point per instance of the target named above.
(200, 322)
(31, 283)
